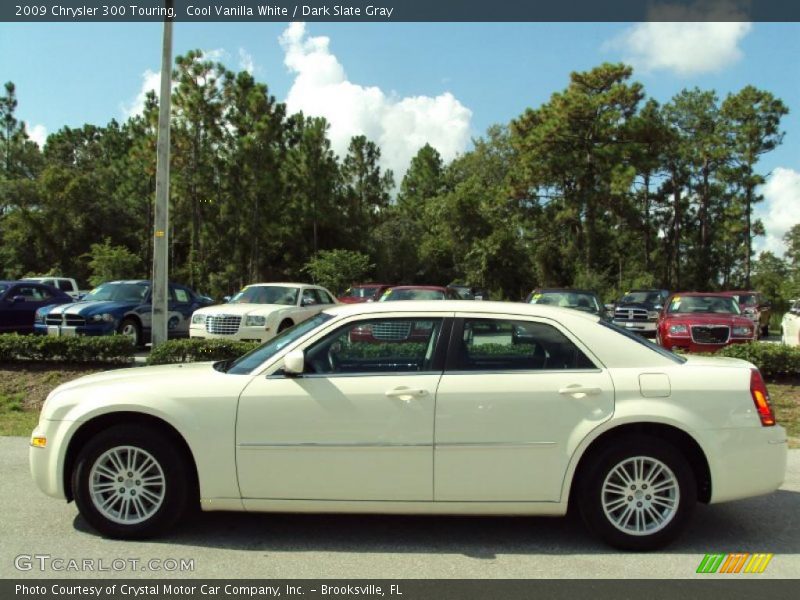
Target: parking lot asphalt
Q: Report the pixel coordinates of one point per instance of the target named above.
(234, 545)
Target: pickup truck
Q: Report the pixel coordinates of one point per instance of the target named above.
(638, 310)
(66, 284)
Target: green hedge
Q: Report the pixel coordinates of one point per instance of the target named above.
(112, 349)
(773, 360)
(198, 350)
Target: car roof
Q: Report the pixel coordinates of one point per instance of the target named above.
(738, 292)
(572, 290)
(286, 284)
(715, 294)
(486, 307)
(437, 288)
(372, 285)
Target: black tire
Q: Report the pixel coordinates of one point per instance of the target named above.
(285, 324)
(174, 494)
(130, 327)
(590, 495)
(765, 331)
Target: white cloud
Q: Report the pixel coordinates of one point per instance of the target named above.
(215, 55)
(151, 81)
(38, 133)
(780, 209)
(400, 126)
(672, 41)
(246, 62)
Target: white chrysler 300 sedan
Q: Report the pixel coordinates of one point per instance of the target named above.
(419, 407)
(260, 311)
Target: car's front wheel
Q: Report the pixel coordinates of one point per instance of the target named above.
(130, 328)
(130, 482)
(638, 493)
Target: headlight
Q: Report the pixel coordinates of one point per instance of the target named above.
(255, 321)
(742, 331)
(105, 317)
(198, 319)
(652, 314)
(38, 317)
(679, 329)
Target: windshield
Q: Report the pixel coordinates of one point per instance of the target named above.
(644, 342)
(266, 294)
(641, 298)
(576, 300)
(255, 358)
(412, 295)
(704, 304)
(747, 299)
(360, 292)
(118, 292)
(464, 293)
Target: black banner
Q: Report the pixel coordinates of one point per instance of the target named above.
(400, 10)
(734, 588)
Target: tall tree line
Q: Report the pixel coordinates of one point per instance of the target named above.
(598, 187)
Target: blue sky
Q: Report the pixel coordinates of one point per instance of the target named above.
(404, 84)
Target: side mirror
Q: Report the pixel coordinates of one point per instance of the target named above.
(609, 307)
(294, 363)
(226, 299)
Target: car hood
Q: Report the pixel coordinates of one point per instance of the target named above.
(708, 319)
(92, 307)
(131, 380)
(242, 309)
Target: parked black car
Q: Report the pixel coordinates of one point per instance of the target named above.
(638, 310)
(19, 301)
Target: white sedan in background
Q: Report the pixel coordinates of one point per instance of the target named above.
(790, 325)
(448, 407)
(260, 311)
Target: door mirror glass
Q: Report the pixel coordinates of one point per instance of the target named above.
(294, 362)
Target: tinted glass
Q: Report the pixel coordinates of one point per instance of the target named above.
(504, 345)
(376, 346)
(182, 295)
(642, 297)
(575, 300)
(395, 294)
(32, 293)
(64, 285)
(254, 359)
(704, 304)
(266, 294)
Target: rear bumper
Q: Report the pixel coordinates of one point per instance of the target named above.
(747, 462)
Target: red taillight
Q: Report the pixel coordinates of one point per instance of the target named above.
(758, 390)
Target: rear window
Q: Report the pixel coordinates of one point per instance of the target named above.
(644, 342)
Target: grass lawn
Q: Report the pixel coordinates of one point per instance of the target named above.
(24, 388)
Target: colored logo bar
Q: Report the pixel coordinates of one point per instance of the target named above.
(736, 562)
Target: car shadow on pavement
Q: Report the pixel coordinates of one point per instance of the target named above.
(765, 524)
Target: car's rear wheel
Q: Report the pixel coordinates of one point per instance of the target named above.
(130, 482)
(638, 493)
(130, 328)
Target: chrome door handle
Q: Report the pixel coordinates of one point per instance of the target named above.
(403, 392)
(578, 391)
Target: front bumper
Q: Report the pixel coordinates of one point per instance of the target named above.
(746, 462)
(686, 344)
(244, 334)
(637, 326)
(102, 328)
(47, 464)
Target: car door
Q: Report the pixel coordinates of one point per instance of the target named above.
(182, 304)
(21, 304)
(357, 425)
(309, 304)
(517, 395)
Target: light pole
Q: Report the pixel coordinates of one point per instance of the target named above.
(160, 289)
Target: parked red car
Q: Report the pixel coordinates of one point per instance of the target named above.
(754, 306)
(363, 292)
(703, 322)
